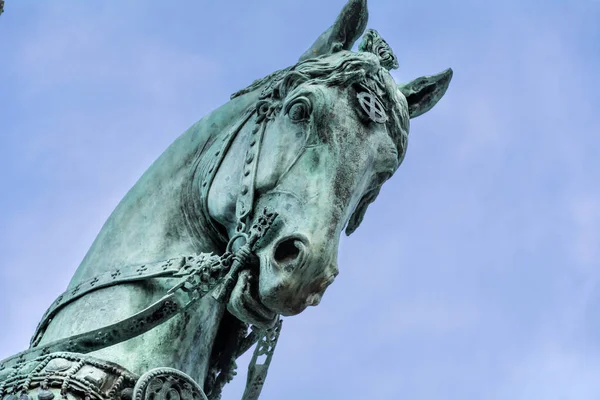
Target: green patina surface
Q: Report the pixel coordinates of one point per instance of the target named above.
(314, 142)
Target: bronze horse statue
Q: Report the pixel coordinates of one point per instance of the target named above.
(236, 223)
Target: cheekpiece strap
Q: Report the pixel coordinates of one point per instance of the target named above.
(245, 200)
(220, 151)
(257, 372)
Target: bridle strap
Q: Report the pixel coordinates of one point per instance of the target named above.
(186, 269)
(257, 371)
(245, 205)
(219, 153)
(117, 276)
(246, 197)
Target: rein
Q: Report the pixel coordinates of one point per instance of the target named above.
(198, 276)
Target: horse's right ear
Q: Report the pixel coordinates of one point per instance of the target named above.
(346, 30)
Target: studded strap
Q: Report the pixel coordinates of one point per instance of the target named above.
(141, 322)
(115, 277)
(245, 200)
(218, 156)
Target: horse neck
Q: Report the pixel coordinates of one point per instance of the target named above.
(148, 224)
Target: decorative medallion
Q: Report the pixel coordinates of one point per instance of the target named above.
(167, 384)
(372, 107)
(58, 365)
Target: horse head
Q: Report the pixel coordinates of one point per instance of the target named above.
(315, 143)
(327, 133)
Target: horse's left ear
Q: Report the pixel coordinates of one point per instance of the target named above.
(423, 93)
(346, 30)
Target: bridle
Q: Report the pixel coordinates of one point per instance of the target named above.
(264, 110)
(197, 275)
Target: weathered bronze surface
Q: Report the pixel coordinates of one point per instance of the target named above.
(236, 224)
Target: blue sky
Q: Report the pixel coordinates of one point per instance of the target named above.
(476, 274)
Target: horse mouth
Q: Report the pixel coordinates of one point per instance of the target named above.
(245, 302)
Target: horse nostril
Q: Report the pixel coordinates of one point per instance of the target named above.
(288, 251)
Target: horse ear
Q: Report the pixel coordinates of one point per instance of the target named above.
(346, 30)
(423, 93)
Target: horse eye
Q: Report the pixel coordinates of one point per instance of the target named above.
(299, 110)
